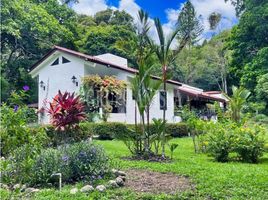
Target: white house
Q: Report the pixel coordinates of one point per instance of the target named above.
(62, 69)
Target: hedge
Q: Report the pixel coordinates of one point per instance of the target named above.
(105, 131)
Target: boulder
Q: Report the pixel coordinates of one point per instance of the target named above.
(123, 178)
(112, 184)
(31, 190)
(118, 173)
(4, 186)
(16, 186)
(101, 188)
(23, 187)
(73, 191)
(87, 188)
(121, 173)
(119, 181)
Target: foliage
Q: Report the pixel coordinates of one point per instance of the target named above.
(190, 26)
(248, 43)
(172, 148)
(17, 167)
(14, 125)
(95, 93)
(108, 130)
(57, 137)
(262, 89)
(66, 111)
(249, 143)
(29, 29)
(237, 102)
(245, 140)
(82, 160)
(220, 140)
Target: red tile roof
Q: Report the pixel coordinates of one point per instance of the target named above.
(95, 60)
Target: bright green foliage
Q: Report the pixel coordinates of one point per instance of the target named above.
(262, 89)
(28, 30)
(172, 148)
(248, 42)
(249, 142)
(220, 140)
(237, 102)
(15, 119)
(104, 39)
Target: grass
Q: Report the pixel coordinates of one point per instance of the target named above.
(212, 180)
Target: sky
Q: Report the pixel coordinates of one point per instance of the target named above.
(166, 10)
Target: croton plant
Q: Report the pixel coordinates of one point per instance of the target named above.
(66, 111)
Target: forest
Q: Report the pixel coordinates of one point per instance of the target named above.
(237, 57)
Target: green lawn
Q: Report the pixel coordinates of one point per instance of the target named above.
(212, 180)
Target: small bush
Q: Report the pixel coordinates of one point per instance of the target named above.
(77, 161)
(249, 143)
(246, 141)
(220, 143)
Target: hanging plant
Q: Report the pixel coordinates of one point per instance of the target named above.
(96, 90)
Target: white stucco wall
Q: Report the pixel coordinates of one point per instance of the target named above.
(58, 77)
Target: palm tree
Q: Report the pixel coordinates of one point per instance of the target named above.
(164, 53)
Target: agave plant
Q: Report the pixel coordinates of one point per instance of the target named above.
(66, 111)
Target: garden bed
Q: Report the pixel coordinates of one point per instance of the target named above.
(156, 182)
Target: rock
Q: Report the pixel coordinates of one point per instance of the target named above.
(118, 173)
(119, 181)
(112, 184)
(73, 191)
(123, 178)
(121, 173)
(101, 188)
(4, 186)
(23, 187)
(16, 186)
(31, 190)
(87, 188)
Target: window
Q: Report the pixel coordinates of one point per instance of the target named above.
(65, 60)
(56, 62)
(163, 100)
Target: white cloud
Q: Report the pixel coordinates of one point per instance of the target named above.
(89, 7)
(203, 7)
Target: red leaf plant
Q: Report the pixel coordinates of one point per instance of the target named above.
(66, 111)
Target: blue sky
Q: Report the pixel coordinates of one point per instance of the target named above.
(166, 10)
(154, 8)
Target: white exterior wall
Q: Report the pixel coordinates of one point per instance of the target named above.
(58, 77)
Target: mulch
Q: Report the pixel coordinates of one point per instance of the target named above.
(156, 182)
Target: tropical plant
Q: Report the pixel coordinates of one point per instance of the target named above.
(172, 148)
(144, 89)
(66, 111)
(237, 102)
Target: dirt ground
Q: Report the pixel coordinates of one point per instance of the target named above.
(155, 182)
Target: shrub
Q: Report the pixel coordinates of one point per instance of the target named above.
(17, 167)
(57, 137)
(220, 140)
(15, 131)
(78, 161)
(108, 130)
(177, 129)
(66, 111)
(249, 143)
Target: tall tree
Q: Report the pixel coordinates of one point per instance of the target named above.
(189, 24)
(249, 45)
